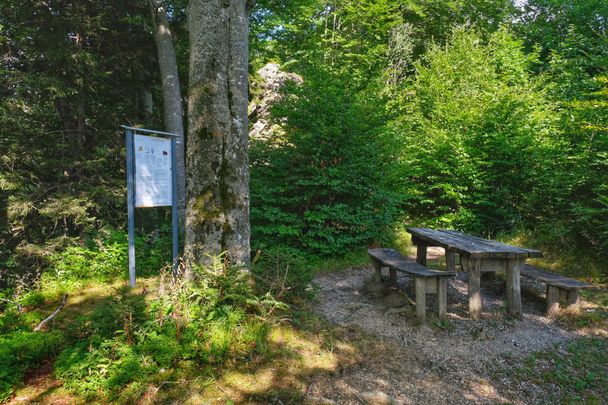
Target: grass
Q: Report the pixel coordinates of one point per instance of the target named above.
(578, 374)
(279, 365)
(280, 372)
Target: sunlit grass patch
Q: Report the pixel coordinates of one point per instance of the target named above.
(574, 375)
(282, 372)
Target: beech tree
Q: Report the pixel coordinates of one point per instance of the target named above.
(172, 97)
(217, 185)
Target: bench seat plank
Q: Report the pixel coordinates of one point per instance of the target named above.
(553, 279)
(427, 281)
(393, 259)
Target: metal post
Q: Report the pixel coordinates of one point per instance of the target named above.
(174, 211)
(131, 205)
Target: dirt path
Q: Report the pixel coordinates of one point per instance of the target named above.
(41, 388)
(446, 362)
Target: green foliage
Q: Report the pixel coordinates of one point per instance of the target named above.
(72, 73)
(473, 124)
(578, 80)
(285, 272)
(32, 299)
(212, 321)
(105, 256)
(495, 118)
(323, 187)
(20, 351)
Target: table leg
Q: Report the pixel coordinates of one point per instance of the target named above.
(392, 276)
(474, 269)
(442, 296)
(377, 271)
(421, 299)
(421, 254)
(450, 260)
(514, 267)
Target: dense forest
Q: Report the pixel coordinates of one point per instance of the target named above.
(486, 116)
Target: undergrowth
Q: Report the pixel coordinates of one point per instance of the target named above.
(22, 350)
(214, 321)
(111, 347)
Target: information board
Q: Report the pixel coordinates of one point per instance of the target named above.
(153, 171)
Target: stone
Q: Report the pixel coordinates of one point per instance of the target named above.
(395, 299)
(378, 398)
(273, 79)
(319, 401)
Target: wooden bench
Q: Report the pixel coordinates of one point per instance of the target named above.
(427, 281)
(559, 288)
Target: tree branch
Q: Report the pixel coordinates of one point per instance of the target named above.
(51, 316)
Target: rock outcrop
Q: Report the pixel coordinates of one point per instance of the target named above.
(272, 81)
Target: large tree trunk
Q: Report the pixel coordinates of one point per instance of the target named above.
(172, 97)
(217, 208)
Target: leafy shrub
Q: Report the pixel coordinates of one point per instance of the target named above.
(475, 128)
(33, 299)
(323, 185)
(20, 351)
(105, 256)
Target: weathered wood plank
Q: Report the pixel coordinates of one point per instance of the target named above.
(552, 301)
(475, 288)
(487, 265)
(493, 245)
(450, 260)
(442, 296)
(377, 270)
(572, 300)
(431, 285)
(392, 259)
(392, 276)
(553, 278)
(472, 246)
(514, 287)
(421, 299)
(421, 254)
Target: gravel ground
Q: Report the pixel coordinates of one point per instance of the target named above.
(442, 362)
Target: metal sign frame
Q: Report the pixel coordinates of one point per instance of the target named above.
(130, 135)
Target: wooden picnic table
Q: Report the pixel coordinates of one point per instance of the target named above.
(477, 255)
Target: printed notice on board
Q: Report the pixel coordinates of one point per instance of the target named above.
(153, 177)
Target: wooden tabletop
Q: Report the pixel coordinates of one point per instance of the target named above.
(472, 246)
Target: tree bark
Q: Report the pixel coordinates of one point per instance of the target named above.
(172, 96)
(217, 207)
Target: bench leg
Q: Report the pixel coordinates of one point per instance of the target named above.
(572, 300)
(392, 277)
(474, 269)
(377, 271)
(421, 299)
(421, 254)
(514, 287)
(442, 297)
(552, 301)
